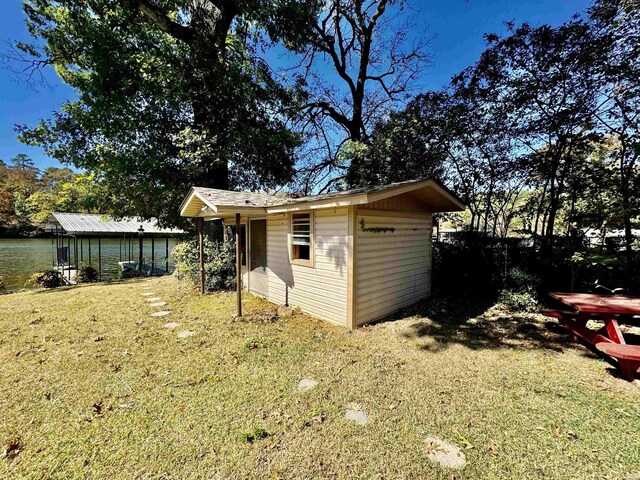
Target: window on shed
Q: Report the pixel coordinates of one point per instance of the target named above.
(301, 236)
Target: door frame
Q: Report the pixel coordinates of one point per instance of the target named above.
(249, 263)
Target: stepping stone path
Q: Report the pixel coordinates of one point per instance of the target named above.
(154, 299)
(158, 304)
(186, 333)
(356, 413)
(444, 453)
(148, 294)
(162, 313)
(307, 384)
(171, 325)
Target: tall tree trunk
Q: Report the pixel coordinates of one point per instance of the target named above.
(625, 175)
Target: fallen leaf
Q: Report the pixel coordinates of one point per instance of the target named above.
(493, 448)
(12, 448)
(555, 429)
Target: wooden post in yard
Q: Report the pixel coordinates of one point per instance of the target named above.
(201, 239)
(238, 267)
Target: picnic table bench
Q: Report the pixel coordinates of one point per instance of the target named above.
(610, 309)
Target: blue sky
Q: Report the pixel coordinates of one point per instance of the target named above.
(456, 25)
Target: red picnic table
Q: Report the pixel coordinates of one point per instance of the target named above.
(610, 309)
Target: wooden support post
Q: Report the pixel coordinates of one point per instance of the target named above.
(200, 221)
(81, 251)
(90, 252)
(99, 258)
(238, 267)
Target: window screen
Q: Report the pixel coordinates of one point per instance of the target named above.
(301, 236)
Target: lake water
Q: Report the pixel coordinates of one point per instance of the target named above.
(20, 257)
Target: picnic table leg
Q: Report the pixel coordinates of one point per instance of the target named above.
(613, 330)
(578, 327)
(629, 368)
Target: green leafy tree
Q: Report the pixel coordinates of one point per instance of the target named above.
(617, 23)
(170, 94)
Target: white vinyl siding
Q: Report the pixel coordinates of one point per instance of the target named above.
(320, 290)
(393, 267)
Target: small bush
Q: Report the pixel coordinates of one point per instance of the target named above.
(46, 279)
(87, 275)
(521, 281)
(519, 301)
(219, 263)
(521, 291)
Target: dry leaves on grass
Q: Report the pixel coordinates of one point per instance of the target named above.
(12, 448)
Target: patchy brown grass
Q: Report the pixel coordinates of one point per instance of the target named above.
(93, 387)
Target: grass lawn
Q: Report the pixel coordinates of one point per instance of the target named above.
(92, 386)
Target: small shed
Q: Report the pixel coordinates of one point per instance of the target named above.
(72, 235)
(349, 257)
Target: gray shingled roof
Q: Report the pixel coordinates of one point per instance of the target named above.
(226, 198)
(89, 223)
(229, 198)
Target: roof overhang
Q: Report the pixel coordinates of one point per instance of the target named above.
(429, 192)
(435, 195)
(195, 205)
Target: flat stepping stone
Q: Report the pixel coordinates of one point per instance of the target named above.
(148, 294)
(154, 299)
(162, 313)
(171, 325)
(444, 453)
(158, 304)
(306, 384)
(356, 413)
(186, 334)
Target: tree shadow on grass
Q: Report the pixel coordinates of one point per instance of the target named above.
(479, 324)
(440, 322)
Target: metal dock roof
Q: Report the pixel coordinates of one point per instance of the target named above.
(95, 223)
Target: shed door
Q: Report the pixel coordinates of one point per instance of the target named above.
(258, 257)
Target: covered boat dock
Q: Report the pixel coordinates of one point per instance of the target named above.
(77, 241)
